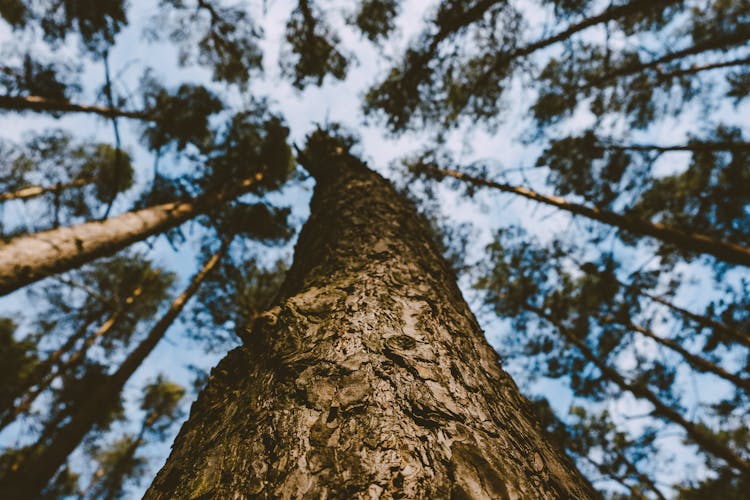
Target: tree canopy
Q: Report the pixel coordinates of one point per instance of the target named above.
(584, 164)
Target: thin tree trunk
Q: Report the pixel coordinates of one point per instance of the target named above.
(35, 191)
(457, 22)
(699, 68)
(711, 323)
(717, 326)
(29, 258)
(31, 475)
(43, 368)
(722, 42)
(610, 14)
(137, 442)
(95, 477)
(369, 378)
(644, 478)
(693, 242)
(697, 362)
(122, 460)
(74, 360)
(87, 289)
(635, 492)
(693, 146)
(703, 438)
(43, 105)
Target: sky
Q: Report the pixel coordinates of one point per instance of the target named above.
(333, 102)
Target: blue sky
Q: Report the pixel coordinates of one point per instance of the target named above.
(333, 102)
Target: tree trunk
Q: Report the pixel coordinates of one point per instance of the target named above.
(706, 322)
(687, 241)
(610, 14)
(27, 259)
(42, 385)
(45, 105)
(723, 42)
(29, 192)
(32, 473)
(61, 367)
(698, 363)
(699, 433)
(369, 378)
(692, 146)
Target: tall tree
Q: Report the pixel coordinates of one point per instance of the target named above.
(353, 383)
(369, 375)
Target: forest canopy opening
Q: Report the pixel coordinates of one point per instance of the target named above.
(421, 248)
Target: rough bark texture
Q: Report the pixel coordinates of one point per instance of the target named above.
(370, 378)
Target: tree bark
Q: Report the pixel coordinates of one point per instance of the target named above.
(27, 259)
(29, 192)
(692, 242)
(44, 105)
(34, 471)
(369, 378)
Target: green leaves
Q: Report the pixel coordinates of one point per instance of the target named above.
(86, 174)
(213, 35)
(431, 86)
(583, 165)
(180, 117)
(14, 12)
(375, 18)
(161, 404)
(252, 145)
(710, 196)
(97, 22)
(313, 51)
(34, 78)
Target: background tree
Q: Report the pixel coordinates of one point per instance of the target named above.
(120, 462)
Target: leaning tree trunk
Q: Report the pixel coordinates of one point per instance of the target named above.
(44, 105)
(29, 192)
(684, 240)
(33, 471)
(26, 259)
(369, 378)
